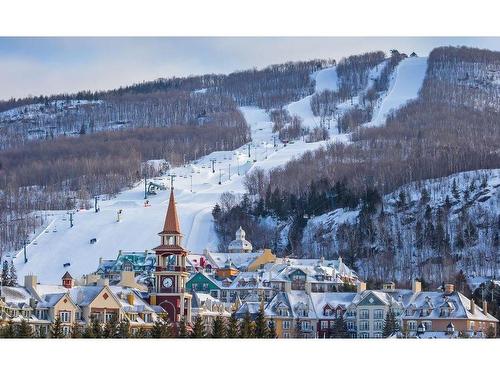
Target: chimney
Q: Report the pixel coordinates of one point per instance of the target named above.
(389, 286)
(472, 306)
(30, 281)
(485, 307)
(361, 287)
(131, 298)
(449, 289)
(103, 282)
(416, 286)
(127, 279)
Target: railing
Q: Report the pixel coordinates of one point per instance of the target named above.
(170, 268)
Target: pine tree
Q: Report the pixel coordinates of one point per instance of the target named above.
(182, 331)
(96, 329)
(246, 330)
(124, 329)
(5, 277)
(340, 330)
(454, 190)
(141, 333)
(198, 328)
(272, 330)
(9, 331)
(161, 329)
(261, 329)
(218, 327)
(390, 324)
(424, 196)
(76, 331)
(111, 328)
(24, 330)
(56, 329)
(232, 327)
(13, 274)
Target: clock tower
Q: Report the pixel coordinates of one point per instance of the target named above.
(170, 274)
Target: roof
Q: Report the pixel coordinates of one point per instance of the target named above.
(240, 244)
(84, 295)
(67, 276)
(240, 260)
(171, 225)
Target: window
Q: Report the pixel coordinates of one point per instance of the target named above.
(472, 326)
(324, 324)
(428, 325)
(412, 325)
(110, 316)
(364, 325)
(286, 324)
(147, 318)
(306, 325)
(364, 314)
(378, 325)
(65, 330)
(364, 335)
(286, 335)
(350, 326)
(64, 316)
(378, 314)
(377, 335)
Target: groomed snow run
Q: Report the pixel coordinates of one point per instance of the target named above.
(405, 84)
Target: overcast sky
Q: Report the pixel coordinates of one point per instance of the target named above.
(34, 66)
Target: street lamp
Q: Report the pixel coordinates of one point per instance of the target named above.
(220, 176)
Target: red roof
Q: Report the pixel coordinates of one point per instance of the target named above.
(171, 225)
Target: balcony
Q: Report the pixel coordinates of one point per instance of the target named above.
(170, 269)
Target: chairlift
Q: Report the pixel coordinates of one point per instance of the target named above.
(66, 265)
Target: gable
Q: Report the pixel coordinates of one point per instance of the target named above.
(65, 303)
(371, 300)
(200, 278)
(105, 299)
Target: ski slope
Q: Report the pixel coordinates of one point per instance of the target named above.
(138, 226)
(404, 86)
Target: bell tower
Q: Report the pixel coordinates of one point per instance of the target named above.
(171, 274)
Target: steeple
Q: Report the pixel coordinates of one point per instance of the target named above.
(171, 225)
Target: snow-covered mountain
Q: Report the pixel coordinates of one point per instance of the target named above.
(58, 244)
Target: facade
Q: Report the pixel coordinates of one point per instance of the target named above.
(170, 275)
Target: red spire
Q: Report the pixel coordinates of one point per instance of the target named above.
(171, 225)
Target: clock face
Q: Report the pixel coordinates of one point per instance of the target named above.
(167, 282)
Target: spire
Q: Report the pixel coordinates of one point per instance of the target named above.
(171, 225)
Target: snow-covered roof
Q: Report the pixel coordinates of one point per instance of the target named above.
(84, 295)
(240, 244)
(240, 260)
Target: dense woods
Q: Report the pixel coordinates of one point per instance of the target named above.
(452, 127)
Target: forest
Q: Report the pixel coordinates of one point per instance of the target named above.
(452, 127)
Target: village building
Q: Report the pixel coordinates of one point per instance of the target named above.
(170, 275)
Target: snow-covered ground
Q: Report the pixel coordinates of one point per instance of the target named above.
(404, 86)
(138, 225)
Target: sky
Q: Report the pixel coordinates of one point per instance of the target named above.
(35, 66)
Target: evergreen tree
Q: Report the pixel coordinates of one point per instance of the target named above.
(232, 327)
(424, 196)
(182, 329)
(218, 327)
(13, 274)
(141, 333)
(246, 330)
(454, 190)
(111, 328)
(5, 277)
(340, 330)
(390, 324)
(261, 329)
(124, 329)
(88, 332)
(24, 330)
(198, 328)
(76, 331)
(298, 329)
(272, 330)
(56, 331)
(161, 329)
(96, 328)
(9, 331)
